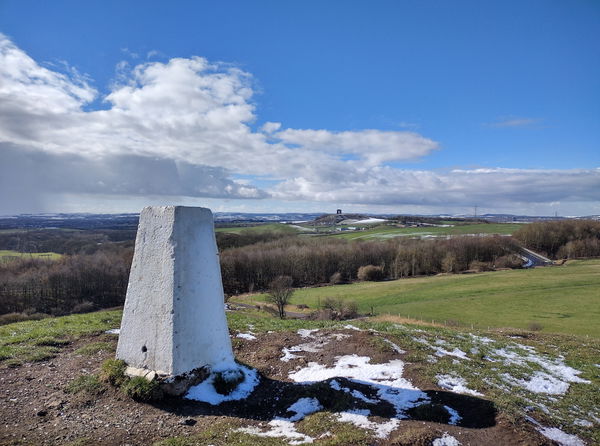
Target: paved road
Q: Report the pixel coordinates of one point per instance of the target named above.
(533, 259)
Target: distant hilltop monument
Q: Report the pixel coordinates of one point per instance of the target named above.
(174, 325)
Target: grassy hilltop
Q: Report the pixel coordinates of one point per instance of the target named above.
(52, 368)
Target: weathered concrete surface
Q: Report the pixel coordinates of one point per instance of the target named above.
(174, 318)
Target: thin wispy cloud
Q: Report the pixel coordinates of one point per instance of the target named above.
(408, 125)
(514, 122)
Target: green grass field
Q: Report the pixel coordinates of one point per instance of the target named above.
(561, 299)
(8, 255)
(269, 227)
(385, 231)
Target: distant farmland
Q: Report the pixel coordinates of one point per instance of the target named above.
(386, 231)
(7, 255)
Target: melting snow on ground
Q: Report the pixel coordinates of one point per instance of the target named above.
(439, 351)
(114, 331)
(386, 379)
(458, 353)
(369, 220)
(446, 440)
(355, 393)
(319, 340)
(359, 419)
(554, 433)
(248, 336)
(280, 428)
(454, 416)
(455, 384)
(555, 378)
(351, 327)
(394, 346)
(305, 333)
(284, 427)
(205, 391)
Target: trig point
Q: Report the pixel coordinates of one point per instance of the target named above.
(174, 317)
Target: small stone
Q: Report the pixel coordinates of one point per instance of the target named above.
(55, 404)
(188, 422)
(42, 413)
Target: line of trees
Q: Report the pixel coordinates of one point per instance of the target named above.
(75, 283)
(562, 239)
(310, 261)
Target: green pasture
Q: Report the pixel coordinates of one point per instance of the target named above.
(558, 299)
(9, 255)
(387, 231)
(269, 227)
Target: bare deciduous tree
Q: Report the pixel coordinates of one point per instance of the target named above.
(280, 293)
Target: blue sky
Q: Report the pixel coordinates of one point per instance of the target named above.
(400, 106)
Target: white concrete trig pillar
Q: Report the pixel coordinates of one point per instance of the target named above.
(174, 317)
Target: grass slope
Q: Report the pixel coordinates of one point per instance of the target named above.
(385, 231)
(562, 299)
(32, 341)
(270, 227)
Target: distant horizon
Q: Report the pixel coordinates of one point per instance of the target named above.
(441, 214)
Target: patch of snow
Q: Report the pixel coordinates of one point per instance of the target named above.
(386, 379)
(439, 351)
(555, 378)
(340, 336)
(305, 333)
(247, 336)
(454, 416)
(561, 437)
(359, 419)
(280, 429)
(369, 220)
(114, 331)
(304, 407)
(288, 355)
(284, 427)
(355, 393)
(481, 339)
(205, 391)
(458, 353)
(351, 327)
(455, 384)
(311, 347)
(583, 423)
(394, 347)
(446, 440)
(542, 382)
(554, 433)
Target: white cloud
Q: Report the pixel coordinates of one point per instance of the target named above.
(270, 127)
(490, 187)
(185, 128)
(373, 146)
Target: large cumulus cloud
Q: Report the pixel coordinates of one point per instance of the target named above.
(186, 128)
